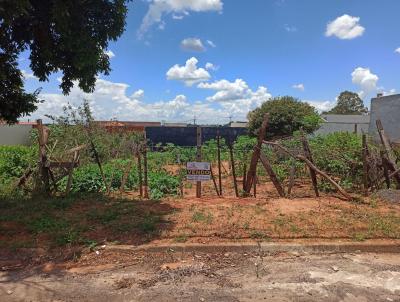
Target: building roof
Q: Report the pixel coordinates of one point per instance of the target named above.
(346, 119)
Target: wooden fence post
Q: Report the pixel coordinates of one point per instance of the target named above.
(308, 155)
(139, 163)
(219, 163)
(214, 181)
(365, 163)
(198, 158)
(291, 178)
(256, 154)
(145, 180)
(244, 174)
(233, 170)
(390, 160)
(267, 166)
(44, 171)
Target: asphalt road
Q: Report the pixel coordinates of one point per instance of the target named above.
(216, 277)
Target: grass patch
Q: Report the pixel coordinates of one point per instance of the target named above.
(181, 238)
(202, 217)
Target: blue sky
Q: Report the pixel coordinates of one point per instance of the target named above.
(255, 49)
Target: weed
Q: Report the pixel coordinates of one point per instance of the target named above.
(149, 224)
(258, 235)
(359, 237)
(181, 238)
(201, 217)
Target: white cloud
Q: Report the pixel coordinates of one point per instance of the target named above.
(365, 79)
(298, 87)
(192, 44)
(110, 54)
(211, 43)
(28, 75)
(159, 8)
(189, 74)
(290, 28)
(111, 100)
(211, 66)
(386, 92)
(397, 50)
(345, 27)
(236, 97)
(321, 106)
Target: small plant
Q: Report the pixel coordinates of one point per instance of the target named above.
(359, 237)
(201, 217)
(149, 224)
(181, 238)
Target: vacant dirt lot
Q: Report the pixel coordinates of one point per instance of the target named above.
(65, 225)
(173, 276)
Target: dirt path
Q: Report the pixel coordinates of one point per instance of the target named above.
(176, 276)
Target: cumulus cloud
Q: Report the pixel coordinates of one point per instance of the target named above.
(189, 73)
(298, 87)
(237, 98)
(110, 54)
(321, 106)
(345, 27)
(211, 66)
(28, 75)
(159, 8)
(192, 44)
(365, 79)
(111, 100)
(397, 50)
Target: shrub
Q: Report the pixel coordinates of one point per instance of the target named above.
(14, 160)
(162, 183)
(286, 115)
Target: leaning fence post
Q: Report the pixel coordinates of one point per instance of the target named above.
(308, 155)
(267, 166)
(256, 154)
(390, 160)
(233, 170)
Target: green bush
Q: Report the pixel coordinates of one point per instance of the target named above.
(14, 160)
(339, 154)
(87, 178)
(162, 183)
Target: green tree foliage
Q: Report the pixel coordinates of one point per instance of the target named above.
(286, 115)
(348, 103)
(68, 36)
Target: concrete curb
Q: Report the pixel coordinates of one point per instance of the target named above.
(268, 247)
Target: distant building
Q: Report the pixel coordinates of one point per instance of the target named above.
(17, 134)
(238, 124)
(343, 123)
(386, 109)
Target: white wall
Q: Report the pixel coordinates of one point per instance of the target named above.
(15, 134)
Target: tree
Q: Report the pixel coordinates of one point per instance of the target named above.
(348, 103)
(286, 115)
(68, 36)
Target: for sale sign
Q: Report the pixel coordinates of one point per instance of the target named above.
(198, 171)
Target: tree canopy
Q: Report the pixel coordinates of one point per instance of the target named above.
(286, 115)
(348, 103)
(67, 36)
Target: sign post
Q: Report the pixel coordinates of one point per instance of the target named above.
(198, 171)
(198, 158)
